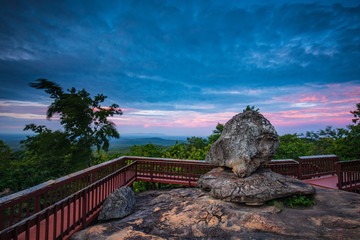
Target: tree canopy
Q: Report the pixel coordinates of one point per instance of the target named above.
(251, 108)
(84, 120)
(50, 154)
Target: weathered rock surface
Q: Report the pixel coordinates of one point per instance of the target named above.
(119, 204)
(247, 141)
(188, 213)
(261, 186)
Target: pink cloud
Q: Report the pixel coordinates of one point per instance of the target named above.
(326, 105)
(172, 119)
(325, 94)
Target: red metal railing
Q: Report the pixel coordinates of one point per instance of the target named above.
(348, 173)
(168, 171)
(73, 212)
(21, 205)
(56, 209)
(287, 167)
(317, 166)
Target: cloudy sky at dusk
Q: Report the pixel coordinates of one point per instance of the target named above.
(180, 67)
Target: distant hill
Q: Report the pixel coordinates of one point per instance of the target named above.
(124, 142)
(13, 140)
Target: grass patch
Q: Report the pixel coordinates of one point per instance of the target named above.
(293, 201)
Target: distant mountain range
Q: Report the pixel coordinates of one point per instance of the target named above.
(124, 142)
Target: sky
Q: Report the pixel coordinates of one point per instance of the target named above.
(180, 67)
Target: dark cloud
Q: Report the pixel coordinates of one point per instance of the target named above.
(169, 51)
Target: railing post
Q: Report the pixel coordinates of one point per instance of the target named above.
(189, 173)
(2, 217)
(84, 198)
(335, 160)
(151, 174)
(300, 169)
(339, 173)
(37, 204)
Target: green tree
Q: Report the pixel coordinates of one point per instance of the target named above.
(84, 120)
(291, 147)
(196, 142)
(251, 108)
(148, 150)
(351, 142)
(356, 114)
(51, 153)
(5, 154)
(216, 133)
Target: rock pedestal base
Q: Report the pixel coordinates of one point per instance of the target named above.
(261, 186)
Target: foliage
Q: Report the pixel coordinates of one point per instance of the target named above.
(216, 133)
(356, 114)
(141, 186)
(251, 108)
(299, 201)
(196, 149)
(293, 201)
(52, 153)
(5, 155)
(84, 120)
(148, 150)
(291, 146)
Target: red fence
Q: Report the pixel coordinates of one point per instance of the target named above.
(167, 171)
(307, 167)
(317, 166)
(79, 203)
(287, 167)
(21, 205)
(348, 173)
(56, 209)
(71, 213)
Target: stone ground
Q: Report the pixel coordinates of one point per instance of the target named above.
(188, 213)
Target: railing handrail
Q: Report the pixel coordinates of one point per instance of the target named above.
(318, 156)
(348, 161)
(135, 158)
(280, 161)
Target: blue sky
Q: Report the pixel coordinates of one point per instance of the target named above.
(180, 67)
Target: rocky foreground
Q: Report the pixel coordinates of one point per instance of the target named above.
(188, 213)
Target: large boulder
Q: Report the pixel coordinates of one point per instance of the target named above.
(247, 142)
(119, 204)
(261, 186)
(188, 213)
